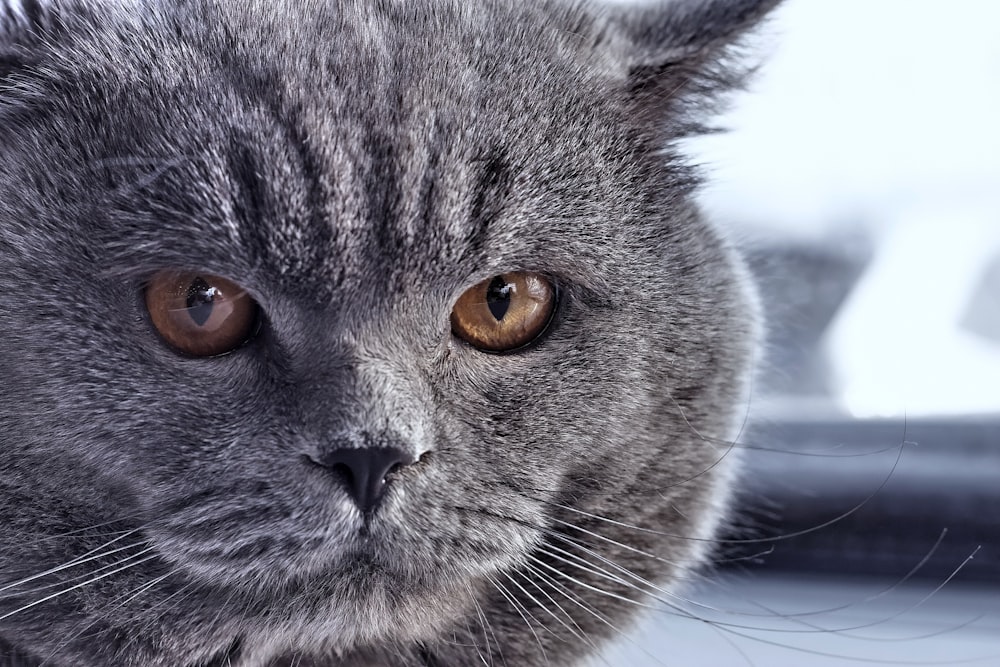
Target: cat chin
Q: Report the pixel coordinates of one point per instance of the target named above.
(386, 614)
(354, 610)
(363, 604)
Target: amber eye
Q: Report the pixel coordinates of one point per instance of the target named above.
(505, 312)
(200, 314)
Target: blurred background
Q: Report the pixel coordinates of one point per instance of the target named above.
(861, 177)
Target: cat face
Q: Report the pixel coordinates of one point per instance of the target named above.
(363, 460)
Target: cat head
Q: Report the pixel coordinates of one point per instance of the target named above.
(348, 192)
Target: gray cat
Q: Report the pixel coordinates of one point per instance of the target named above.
(357, 332)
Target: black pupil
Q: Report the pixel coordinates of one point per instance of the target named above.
(498, 297)
(200, 299)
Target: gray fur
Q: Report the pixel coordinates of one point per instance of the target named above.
(356, 165)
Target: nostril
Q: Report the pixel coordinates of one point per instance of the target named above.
(344, 471)
(364, 470)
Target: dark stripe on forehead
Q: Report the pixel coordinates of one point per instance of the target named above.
(381, 183)
(426, 197)
(315, 174)
(253, 204)
(490, 197)
(279, 199)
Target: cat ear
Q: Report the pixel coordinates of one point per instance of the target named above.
(677, 54)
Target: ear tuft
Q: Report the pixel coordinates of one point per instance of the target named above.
(681, 29)
(678, 55)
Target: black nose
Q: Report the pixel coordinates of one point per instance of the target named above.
(363, 471)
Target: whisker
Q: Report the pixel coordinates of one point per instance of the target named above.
(63, 582)
(729, 444)
(496, 640)
(128, 597)
(575, 599)
(871, 598)
(776, 538)
(823, 453)
(78, 531)
(518, 608)
(858, 659)
(542, 606)
(608, 540)
(579, 632)
(79, 560)
(554, 533)
(487, 630)
(603, 573)
(624, 570)
(734, 628)
(749, 558)
(73, 588)
(586, 566)
(672, 606)
(812, 628)
(653, 588)
(583, 584)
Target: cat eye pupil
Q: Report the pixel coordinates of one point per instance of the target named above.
(498, 297)
(200, 300)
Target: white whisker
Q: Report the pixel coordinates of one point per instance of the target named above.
(73, 588)
(542, 606)
(85, 558)
(576, 630)
(37, 589)
(484, 624)
(519, 608)
(575, 599)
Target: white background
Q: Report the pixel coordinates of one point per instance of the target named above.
(882, 115)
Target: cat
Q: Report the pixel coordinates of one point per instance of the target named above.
(359, 332)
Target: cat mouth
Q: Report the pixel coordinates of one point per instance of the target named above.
(313, 534)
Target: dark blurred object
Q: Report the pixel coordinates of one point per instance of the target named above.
(834, 494)
(876, 497)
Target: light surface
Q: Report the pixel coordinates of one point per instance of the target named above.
(839, 622)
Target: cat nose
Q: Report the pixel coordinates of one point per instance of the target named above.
(364, 469)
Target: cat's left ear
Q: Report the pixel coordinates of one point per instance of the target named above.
(670, 55)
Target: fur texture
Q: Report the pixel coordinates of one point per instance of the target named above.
(356, 165)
